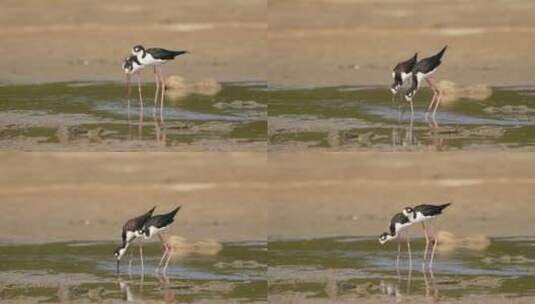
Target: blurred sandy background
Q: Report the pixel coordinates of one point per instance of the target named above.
(248, 196)
(358, 42)
(60, 40)
(89, 196)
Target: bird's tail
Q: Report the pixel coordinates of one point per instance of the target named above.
(441, 53)
(173, 213)
(178, 53)
(151, 211)
(444, 206)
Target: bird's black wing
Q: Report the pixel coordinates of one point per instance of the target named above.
(164, 54)
(397, 218)
(430, 210)
(137, 222)
(428, 64)
(162, 220)
(406, 66)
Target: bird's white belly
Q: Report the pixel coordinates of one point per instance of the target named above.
(149, 60)
(130, 236)
(422, 76)
(153, 230)
(421, 218)
(405, 76)
(401, 227)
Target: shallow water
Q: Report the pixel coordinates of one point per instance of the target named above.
(368, 118)
(86, 272)
(99, 116)
(361, 267)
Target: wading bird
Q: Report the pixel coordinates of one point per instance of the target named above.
(398, 224)
(402, 71)
(155, 57)
(131, 231)
(424, 69)
(422, 214)
(157, 225)
(131, 66)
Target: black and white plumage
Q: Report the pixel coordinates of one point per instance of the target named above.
(130, 232)
(157, 225)
(424, 212)
(423, 70)
(398, 223)
(402, 71)
(131, 66)
(155, 57)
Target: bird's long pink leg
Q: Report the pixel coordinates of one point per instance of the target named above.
(165, 251)
(426, 241)
(431, 81)
(162, 79)
(435, 244)
(141, 258)
(409, 250)
(140, 105)
(169, 255)
(432, 86)
(157, 78)
(399, 252)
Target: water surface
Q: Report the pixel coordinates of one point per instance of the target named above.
(79, 272)
(369, 118)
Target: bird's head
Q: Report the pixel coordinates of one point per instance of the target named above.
(119, 252)
(384, 237)
(395, 88)
(127, 65)
(409, 212)
(138, 49)
(410, 95)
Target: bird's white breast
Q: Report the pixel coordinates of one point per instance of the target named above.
(420, 217)
(130, 236)
(400, 227)
(149, 60)
(405, 76)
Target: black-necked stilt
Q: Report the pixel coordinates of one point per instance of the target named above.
(402, 71)
(131, 66)
(422, 214)
(132, 229)
(155, 57)
(156, 225)
(424, 69)
(398, 224)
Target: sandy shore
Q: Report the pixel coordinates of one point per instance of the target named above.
(289, 43)
(352, 42)
(80, 40)
(88, 196)
(247, 196)
(333, 194)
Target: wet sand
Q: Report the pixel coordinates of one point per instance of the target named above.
(248, 196)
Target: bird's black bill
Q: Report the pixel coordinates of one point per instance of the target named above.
(117, 266)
